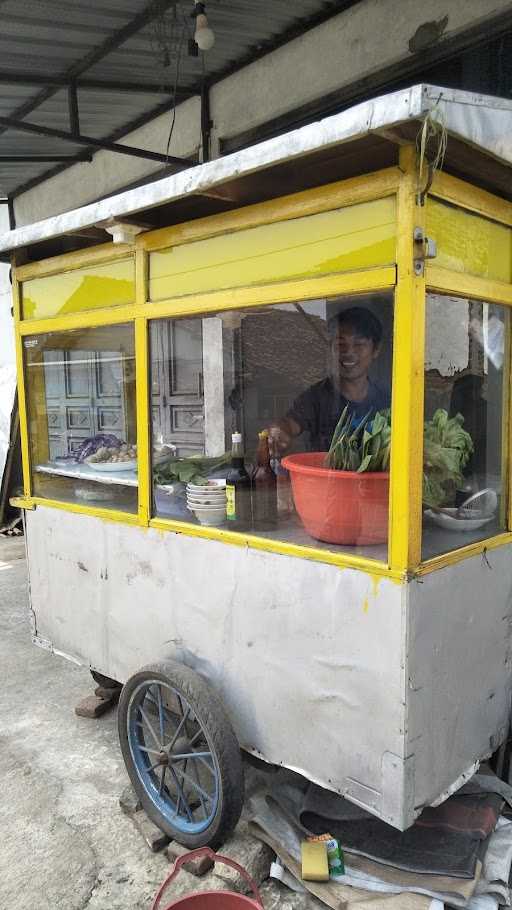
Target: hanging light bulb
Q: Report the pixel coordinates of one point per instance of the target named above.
(203, 36)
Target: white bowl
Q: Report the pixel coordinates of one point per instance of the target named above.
(208, 499)
(203, 493)
(210, 516)
(211, 485)
(206, 491)
(447, 519)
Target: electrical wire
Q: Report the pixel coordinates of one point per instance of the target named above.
(175, 91)
(186, 31)
(190, 33)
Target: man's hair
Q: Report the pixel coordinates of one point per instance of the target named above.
(361, 320)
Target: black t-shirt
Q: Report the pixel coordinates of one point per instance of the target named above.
(318, 409)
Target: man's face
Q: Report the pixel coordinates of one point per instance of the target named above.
(352, 354)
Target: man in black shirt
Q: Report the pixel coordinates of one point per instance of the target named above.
(356, 336)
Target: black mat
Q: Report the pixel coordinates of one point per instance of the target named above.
(449, 847)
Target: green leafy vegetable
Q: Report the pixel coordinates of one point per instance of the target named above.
(194, 469)
(447, 448)
(364, 446)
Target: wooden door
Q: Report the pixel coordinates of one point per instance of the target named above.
(84, 396)
(177, 384)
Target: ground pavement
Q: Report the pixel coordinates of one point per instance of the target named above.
(66, 844)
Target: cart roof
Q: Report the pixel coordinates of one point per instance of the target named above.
(359, 140)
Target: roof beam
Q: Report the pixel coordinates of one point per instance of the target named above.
(23, 126)
(126, 129)
(9, 77)
(42, 159)
(74, 116)
(154, 9)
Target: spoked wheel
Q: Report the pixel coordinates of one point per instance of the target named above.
(181, 754)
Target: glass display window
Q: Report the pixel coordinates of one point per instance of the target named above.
(278, 421)
(465, 448)
(80, 388)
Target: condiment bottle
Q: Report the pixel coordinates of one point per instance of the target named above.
(264, 488)
(238, 488)
(285, 504)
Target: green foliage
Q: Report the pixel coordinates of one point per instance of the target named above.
(447, 448)
(194, 469)
(364, 447)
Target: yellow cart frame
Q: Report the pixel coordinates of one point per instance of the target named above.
(400, 182)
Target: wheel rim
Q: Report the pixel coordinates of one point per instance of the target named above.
(173, 756)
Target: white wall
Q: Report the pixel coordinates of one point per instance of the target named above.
(447, 340)
(7, 355)
(362, 40)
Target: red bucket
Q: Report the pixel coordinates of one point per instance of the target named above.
(210, 900)
(341, 507)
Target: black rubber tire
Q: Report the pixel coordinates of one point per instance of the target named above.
(105, 681)
(209, 708)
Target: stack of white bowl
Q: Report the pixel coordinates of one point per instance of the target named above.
(208, 501)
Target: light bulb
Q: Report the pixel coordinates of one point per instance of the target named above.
(204, 37)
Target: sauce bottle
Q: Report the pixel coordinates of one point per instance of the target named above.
(264, 488)
(238, 488)
(285, 503)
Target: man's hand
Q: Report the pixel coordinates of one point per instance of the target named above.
(280, 435)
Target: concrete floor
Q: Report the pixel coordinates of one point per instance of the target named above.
(65, 843)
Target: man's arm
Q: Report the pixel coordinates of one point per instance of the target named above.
(300, 417)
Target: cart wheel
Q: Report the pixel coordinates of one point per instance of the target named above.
(181, 754)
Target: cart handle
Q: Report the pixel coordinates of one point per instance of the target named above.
(217, 858)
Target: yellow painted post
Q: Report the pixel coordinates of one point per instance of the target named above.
(142, 389)
(20, 369)
(506, 438)
(143, 428)
(408, 380)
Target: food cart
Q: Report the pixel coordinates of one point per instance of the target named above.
(378, 668)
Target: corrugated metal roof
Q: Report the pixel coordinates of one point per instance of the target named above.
(363, 138)
(120, 42)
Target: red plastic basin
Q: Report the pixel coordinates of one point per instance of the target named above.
(214, 900)
(339, 506)
(210, 900)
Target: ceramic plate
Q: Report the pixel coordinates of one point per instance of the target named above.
(113, 466)
(110, 467)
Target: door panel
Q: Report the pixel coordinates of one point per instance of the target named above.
(177, 384)
(83, 396)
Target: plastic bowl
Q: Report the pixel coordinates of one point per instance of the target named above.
(341, 507)
(208, 494)
(214, 485)
(209, 516)
(448, 519)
